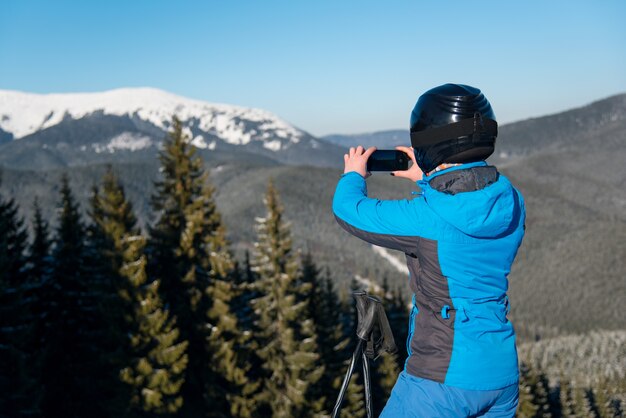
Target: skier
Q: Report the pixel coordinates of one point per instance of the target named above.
(460, 235)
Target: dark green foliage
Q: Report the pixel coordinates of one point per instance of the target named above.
(40, 262)
(157, 356)
(325, 309)
(284, 331)
(189, 252)
(244, 281)
(73, 331)
(533, 394)
(13, 243)
(354, 402)
(18, 353)
(146, 358)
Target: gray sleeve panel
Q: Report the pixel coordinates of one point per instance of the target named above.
(406, 244)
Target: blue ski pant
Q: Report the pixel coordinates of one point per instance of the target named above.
(414, 397)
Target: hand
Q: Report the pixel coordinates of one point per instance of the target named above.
(356, 160)
(413, 173)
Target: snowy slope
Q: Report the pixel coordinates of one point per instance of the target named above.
(22, 114)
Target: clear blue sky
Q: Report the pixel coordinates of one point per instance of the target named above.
(325, 66)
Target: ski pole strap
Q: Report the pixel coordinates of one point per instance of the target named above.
(366, 315)
(388, 343)
(370, 313)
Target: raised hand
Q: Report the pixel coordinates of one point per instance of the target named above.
(413, 173)
(356, 160)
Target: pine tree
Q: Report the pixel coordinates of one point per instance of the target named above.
(325, 310)
(73, 334)
(40, 262)
(533, 394)
(245, 292)
(354, 401)
(604, 405)
(189, 252)
(385, 374)
(146, 357)
(284, 333)
(568, 408)
(582, 405)
(17, 360)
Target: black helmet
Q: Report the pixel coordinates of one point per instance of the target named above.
(453, 123)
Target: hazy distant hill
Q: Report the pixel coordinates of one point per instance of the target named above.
(569, 130)
(569, 274)
(380, 140)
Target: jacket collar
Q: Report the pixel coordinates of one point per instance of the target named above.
(465, 166)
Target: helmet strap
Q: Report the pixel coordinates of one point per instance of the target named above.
(475, 126)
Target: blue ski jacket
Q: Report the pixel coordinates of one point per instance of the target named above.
(460, 236)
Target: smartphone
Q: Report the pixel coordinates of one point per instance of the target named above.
(388, 160)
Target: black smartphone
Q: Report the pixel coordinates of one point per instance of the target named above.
(388, 160)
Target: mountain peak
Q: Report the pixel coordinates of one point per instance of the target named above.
(22, 113)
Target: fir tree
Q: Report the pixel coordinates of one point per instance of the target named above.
(567, 408)
(385, 374)
(146, 357)
(40, 263)
(284, 333)
(533, 394)
(189, 252)
(245, 292)
(325, 310)
(72, 336)
(17, 354)
(604, 405)
(157, 358)
(354, 401)
(13, 243)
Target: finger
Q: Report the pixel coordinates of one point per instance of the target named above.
(352, 152)
(408, 151)
(369, 152)
(359, 150)
(345, 158)
(401, 173)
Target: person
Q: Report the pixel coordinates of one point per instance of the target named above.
(460, 235)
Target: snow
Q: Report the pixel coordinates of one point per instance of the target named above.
(200, 142)
(368, 284)
(25, 113)
(397, 264)
(124, 141)
(273, 145)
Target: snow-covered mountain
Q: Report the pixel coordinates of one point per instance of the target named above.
(136, 119)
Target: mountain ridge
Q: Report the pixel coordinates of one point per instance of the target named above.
(133, 123)
(519, 138)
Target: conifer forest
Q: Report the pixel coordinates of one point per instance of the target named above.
(101, 318)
